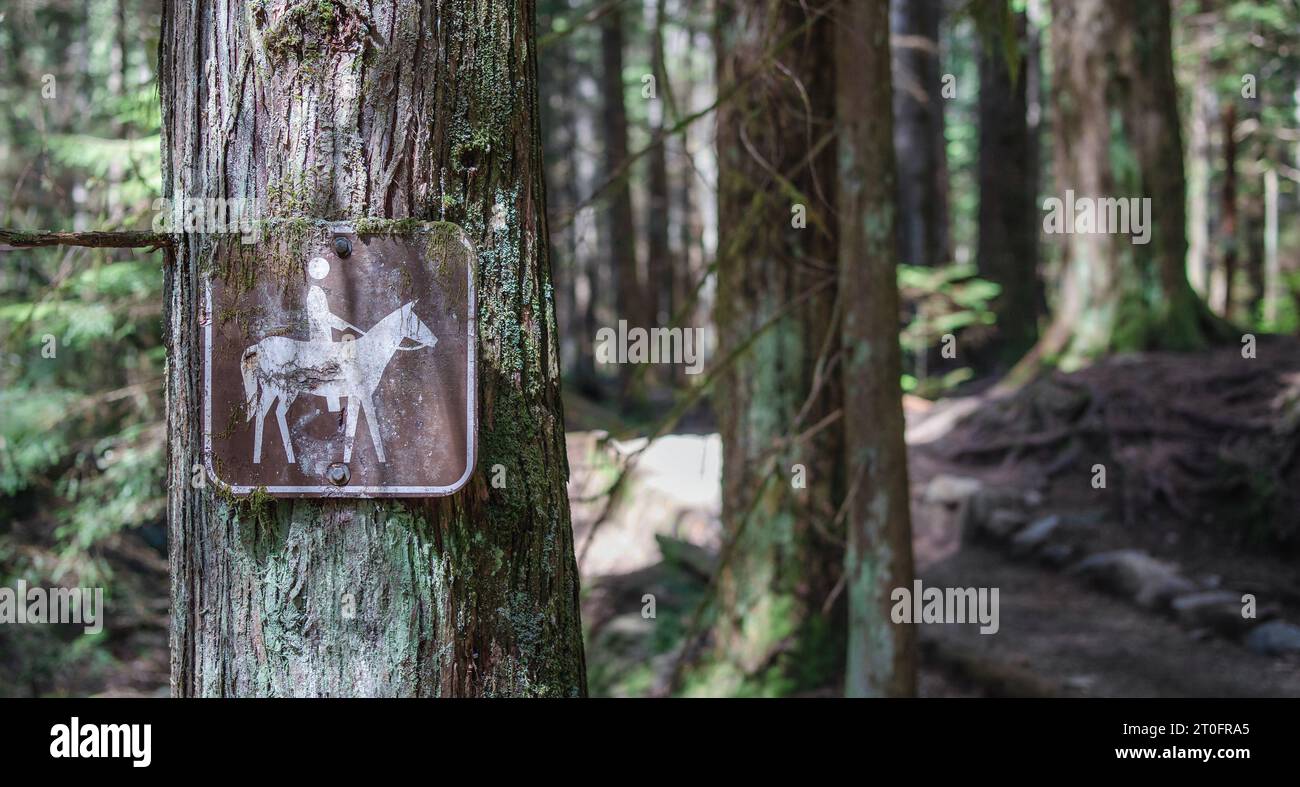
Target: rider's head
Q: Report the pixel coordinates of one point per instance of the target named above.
(318, 268)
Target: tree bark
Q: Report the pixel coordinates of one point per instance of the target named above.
(407, 109)
(881, 653)
(775, 305)
(922, 157)
(1007, 252)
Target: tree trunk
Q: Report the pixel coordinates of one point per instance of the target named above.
(922, 157)
(1112, 61)
(1228, 213)
(620, 229)
(1007, 252)
(658, 262)
(692, 153)
(881, 654)
(1200, 155)
(776, 290)
(1252, 235)
(1272, 265)
(328, 110)
(565, 182)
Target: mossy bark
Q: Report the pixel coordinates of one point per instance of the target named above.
(779, 628)
(393, 109)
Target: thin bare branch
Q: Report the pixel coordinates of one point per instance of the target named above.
(13, 239)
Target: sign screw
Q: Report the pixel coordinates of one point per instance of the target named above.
(338, 474)
(342, 246)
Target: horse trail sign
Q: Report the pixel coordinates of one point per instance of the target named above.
(343, 367)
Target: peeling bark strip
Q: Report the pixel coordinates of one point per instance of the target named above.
(333, 110)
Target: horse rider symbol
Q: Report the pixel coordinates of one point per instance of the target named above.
(278, 369)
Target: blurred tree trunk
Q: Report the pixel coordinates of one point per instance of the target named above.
(620, 228)
(1252, 234)
(1253, 238)
(405, 109)
(922, 158)
(588, 236)
(1201, 151)
(1117, 135)
(691, 223)
(775, 633)
(881, 654)
(1272, 265)
(560, 108)
(659, 263)
(686, 262)
(1007, 252)
(1228, 215)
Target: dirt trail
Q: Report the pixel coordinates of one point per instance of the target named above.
(1197, 509)
(1058, 637)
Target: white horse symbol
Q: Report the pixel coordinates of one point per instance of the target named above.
(280, 368)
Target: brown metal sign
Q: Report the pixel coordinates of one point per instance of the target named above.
(342, 363)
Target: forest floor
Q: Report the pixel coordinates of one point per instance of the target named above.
(1134, 588)
(1131, 589)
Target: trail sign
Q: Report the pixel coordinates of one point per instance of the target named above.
(341, 363)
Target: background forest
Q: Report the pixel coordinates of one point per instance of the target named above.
(690, 176)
